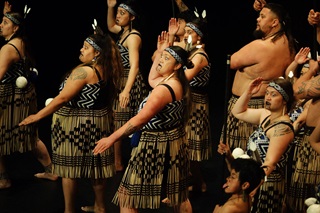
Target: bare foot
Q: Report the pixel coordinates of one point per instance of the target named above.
(166, 201)
(87, 208)
(47, 176)
(92, 209)
(5, 183)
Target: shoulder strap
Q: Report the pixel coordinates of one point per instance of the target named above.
(16, 49)
(202, 53)
(171, 91)
(136, 33)
(264, 120)
(97, 72)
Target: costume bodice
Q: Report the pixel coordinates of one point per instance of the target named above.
(124, 51)
(201, 80)
(92, 96)
(16, 70)
(170, 117)
(260, 141)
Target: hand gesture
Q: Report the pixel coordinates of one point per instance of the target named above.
(255, 86)
(163, 41)
(224, 149)
(7, 7)
(259, 4)
(173, 26)
(111, 3)
(314, 17)
(302, 56)
(124, 98)
(102, 145)
(30, 119)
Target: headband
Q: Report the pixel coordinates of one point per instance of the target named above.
(280, 90)
(127, 8)
(13, 19)
(196, 29)
(93, 44)
(174, 54)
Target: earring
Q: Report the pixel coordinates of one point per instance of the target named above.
(94, 59)
(198, 44)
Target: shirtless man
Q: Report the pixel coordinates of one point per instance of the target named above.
(268, 57)
(245, 176)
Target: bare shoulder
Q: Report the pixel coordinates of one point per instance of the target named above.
(235, 207)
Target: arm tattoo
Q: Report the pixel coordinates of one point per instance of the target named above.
(130, 129)
(281, 129)
(78, 73)
(311, 89)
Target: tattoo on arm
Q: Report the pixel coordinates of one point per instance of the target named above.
(281, 129)
(130, 129)
(310, 88)
(78, 73)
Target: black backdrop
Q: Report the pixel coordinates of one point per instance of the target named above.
(57, 30)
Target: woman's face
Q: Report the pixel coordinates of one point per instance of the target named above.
(194, 35)
(273, 99)
(87, 52)
(166, 64)
(122, 17)
(6, 27)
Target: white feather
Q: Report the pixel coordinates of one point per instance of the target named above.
(196, 12)
(204, 13)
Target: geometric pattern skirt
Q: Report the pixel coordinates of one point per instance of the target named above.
(158, 168)
(306, 175)
(74, 133)
(270, 196)
(15, 105)
(238, 131)
(198, 128)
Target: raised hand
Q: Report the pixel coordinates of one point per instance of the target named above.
(7, 7)
(163, 41)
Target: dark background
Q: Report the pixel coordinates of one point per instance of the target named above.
(57, 30)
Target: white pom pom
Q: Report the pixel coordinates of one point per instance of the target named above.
(237, 152)
(21, 82)
(309, 201)
(244, 156)
(315, 208)
(48, 101)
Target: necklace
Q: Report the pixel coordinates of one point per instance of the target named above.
(165, 79)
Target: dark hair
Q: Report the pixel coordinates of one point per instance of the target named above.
(21, 33)
(110, 61)
(201, 24)
(186, 15)
(137, 22)
(186, 64)
(287, 87)
(249, 171)
(285, 24)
